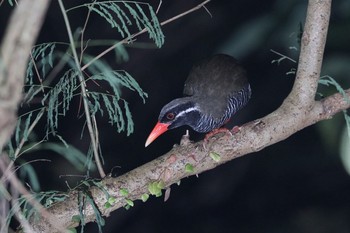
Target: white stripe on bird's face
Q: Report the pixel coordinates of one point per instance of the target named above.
(195, 108)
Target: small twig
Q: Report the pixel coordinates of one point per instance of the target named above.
(185, 13)
(282, 57)
(207, 10)
(84, 92)
(18, 212)
(98, 161)
(82, 33)
(159, 5)
(37, 72)
(31, 127)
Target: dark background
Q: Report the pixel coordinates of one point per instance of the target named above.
(298, 185)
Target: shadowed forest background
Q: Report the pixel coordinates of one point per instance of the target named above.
(299, 185)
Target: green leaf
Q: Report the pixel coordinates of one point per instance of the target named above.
(215, 156)
(161, 184)
(155, 188)
(42, 55)
(117, 108)
(107, 205)
(76, 218)
(144, 197)
(129, 202)
(123, 15)
(27, 171)
(328, 80)
(124, 192)
(112, 200)
(152, 188)
(72, 230)
(189, 167)
(99, 218)
(58, 99)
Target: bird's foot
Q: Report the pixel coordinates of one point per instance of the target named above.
(235, 129)
(212, 133)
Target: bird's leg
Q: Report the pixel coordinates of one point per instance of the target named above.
(212, 133)
(228, 132)
(234, 130)
(217, 131)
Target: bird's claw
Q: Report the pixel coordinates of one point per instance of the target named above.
(217, 131)
(235, 129)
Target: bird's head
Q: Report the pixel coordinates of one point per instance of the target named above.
(179, 112)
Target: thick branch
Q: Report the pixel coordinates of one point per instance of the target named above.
(20, 36)
(170, 168)
(298, 111)
(311, 54)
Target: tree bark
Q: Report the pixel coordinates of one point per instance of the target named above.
(20, 36)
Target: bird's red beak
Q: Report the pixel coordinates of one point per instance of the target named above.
(157, 130)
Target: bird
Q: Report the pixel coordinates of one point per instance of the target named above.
(215, 89)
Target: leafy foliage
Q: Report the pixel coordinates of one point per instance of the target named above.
(118, 115)
(47, 199)
(122, 15)
(44, 54)
(54, 79)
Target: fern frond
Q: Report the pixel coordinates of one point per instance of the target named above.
(59, 98)
(115, 79)
(117, 116)
(32, 92)
(130, 122)
(105, 10)
(23, 130)
(150, 22)
(47, 199)
(124, 14)
(99, 218)
(121, 78)
(42, 53)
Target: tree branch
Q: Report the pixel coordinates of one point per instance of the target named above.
(22, 31)
(298, 111)
(15, 49)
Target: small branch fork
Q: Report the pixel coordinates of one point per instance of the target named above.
(298, 111)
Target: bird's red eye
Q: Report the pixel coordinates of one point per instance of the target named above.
(170, 116)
